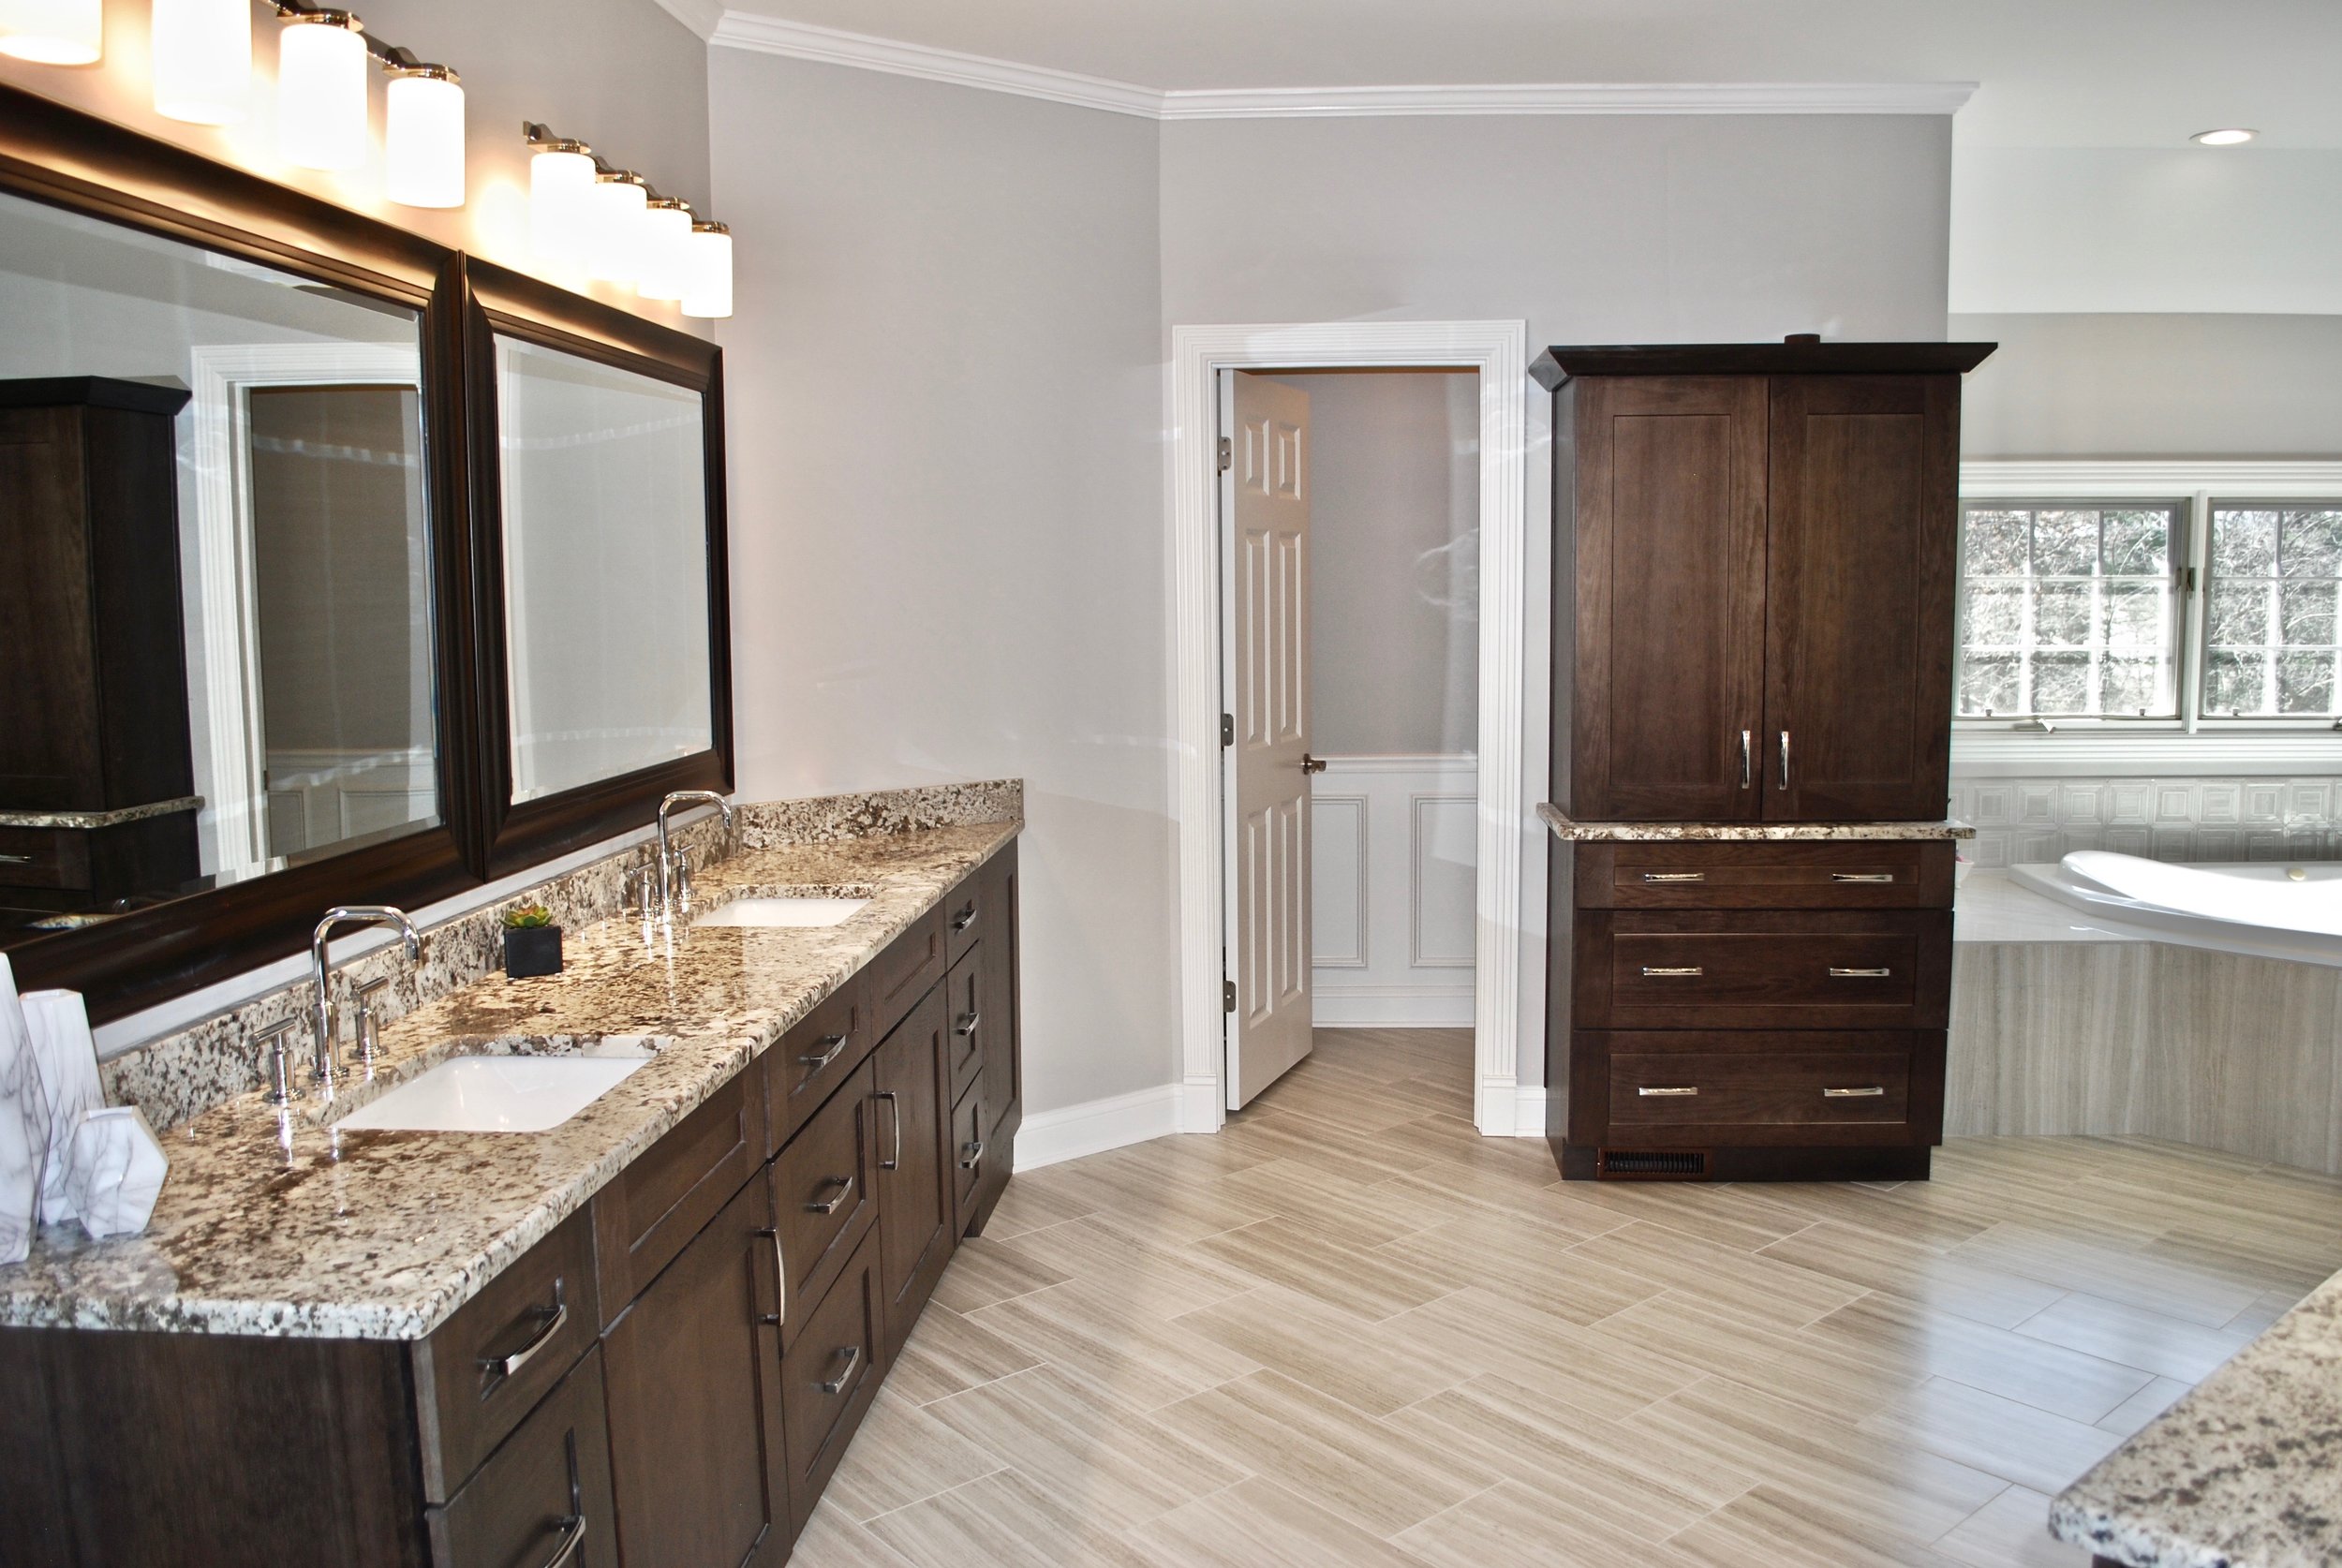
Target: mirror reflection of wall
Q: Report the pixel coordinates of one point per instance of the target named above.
(605, 568)
(215, 637)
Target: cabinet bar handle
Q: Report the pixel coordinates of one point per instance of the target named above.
(1784, 758)
(509, 1366)
(968, 1023)
(781, 1278)
(965, 918)
(16, 860)
(1675, 876)
(572, 1531)
(1869, 1091)
(1837, 973)
(845, 1191)
(818, 1059)
(1672, 1091)
(971, 1153)
(1862, 875)
(1692, 972)
(853, 1358)
(895, 1120)
(1746, 774)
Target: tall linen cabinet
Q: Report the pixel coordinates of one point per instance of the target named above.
(1754, 563)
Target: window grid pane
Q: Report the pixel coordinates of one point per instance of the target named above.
(2273, 620)
(2068, 611)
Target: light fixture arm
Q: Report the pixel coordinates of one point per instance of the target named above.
(542, 137)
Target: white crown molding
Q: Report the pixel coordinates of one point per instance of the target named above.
(703, 17)
(768, 35)
(2166, 477)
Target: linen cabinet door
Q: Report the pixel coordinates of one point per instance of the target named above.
(914, 1179)
(694, 1369)
(1669, 585)
(1861, 551)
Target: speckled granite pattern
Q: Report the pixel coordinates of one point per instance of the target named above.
(2244, 1472)
(274, 1224)
(100, 819)
(827, 818)
(1743, 833)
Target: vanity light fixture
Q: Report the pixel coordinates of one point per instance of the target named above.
(321, 90)
(560, 197)
(202, 60)
(53, 32)
(666, 250)
(621, 201)
(707, 289)
(422, 134)
(2229, 136)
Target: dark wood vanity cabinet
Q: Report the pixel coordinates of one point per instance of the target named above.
(670, 1378)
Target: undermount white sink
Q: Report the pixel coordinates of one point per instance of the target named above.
(497, 1094)
(799, 913)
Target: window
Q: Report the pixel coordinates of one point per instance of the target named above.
(2068, 610)
(2270, 618)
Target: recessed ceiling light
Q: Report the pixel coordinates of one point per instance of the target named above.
(2233, 135)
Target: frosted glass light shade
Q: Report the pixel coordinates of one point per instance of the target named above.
(321, 91)
(423, 139)
(53, 32)
(202, 60)
(560, 203)
(614, 253)
(707, 289)
(666, 251)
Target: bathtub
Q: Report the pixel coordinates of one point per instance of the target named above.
(2272, 909)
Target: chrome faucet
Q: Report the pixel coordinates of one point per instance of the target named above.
(324, 1021)
(674, 871)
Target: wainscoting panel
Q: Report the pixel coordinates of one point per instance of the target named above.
(2035, 821)
(1394, 878)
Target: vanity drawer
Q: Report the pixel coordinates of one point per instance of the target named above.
(1763, 969)
(1741, 1090)
(907, 970)
(545, 1493)
(967, 913)
(828, 1377)
(484, 1368)
(970, 1152)
(44, 857)
(816, 1055)
(657, 1203)
(1863, 874)
(966, 1000)
(825, 1193)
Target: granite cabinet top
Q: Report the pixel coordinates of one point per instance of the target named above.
(1569, 828)
(2245, 1472)
(278, 1223)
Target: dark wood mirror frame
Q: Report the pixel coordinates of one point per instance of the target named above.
(64, 158)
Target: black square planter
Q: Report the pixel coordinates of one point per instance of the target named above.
(532, 950)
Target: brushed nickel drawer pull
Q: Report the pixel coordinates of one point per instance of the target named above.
(572, 1531)
(853, 1358)
(965, 918)
(1671, 1091)
(16, 860)
(509, 1366)
(781, 1278)
(1691, 972)
(1745, 769)
(818, 1059)
(895, 1120)
(1837, 973)
(1675, 876)
(845, 1191)
(1869, 1091)
(968, 1022)
(1862, 875)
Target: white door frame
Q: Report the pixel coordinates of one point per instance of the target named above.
(1499, 351)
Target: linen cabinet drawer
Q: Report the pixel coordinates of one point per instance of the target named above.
(1741, 1090)
(825, 1196)
(1890, 875)
(829, 1376)
(1763, 969)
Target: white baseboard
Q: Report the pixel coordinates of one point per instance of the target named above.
(1097, 1126)
(1529, 1120)
(1392, 1007)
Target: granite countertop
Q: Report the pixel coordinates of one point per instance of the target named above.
(2245, 1472)
(276, 1223)
(1741, 832)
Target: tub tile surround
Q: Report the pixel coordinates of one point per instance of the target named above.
(2034, 820)
(274, 1224)
(1569, 829)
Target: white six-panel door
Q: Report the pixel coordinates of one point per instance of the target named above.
(1270, 650)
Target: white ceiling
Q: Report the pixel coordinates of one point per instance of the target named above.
(2054, 73)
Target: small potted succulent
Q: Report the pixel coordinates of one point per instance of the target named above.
(532, 943)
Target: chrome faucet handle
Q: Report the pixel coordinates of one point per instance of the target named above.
(367, 1034)
(679, 876)
(272, 1038)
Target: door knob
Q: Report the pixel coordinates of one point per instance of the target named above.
(1312, 764)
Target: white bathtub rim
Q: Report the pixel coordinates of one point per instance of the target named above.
(2176, 927)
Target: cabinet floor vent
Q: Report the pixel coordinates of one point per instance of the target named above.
(1653, 1164)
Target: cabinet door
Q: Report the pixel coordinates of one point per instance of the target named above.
(1862, 552)
(695, 1406)
(914, 1182)
(1003, 1087)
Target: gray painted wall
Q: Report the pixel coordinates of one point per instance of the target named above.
(2154, 385)
(1394, 563)
(948, 554)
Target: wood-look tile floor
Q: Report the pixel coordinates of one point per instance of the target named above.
(1349, 1331)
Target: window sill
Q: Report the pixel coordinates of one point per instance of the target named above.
(2000, 753)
